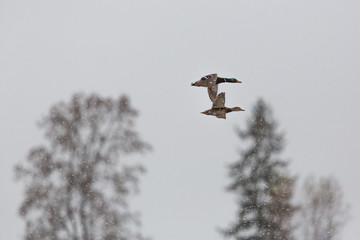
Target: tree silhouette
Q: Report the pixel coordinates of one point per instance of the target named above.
(323, 209)
(77, 187)
(261, 182)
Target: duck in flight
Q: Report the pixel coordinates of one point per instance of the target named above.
(218, 108)
(211, 81)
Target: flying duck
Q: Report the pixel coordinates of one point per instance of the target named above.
(218, 108)
(211, 81)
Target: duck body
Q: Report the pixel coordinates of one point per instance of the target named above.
(218, 108)
(211, 81)
(221, 112)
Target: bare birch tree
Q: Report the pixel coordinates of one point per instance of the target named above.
(77, 186)
(323, 211)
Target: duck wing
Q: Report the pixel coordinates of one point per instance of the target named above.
(212, 91)
(219, 101)
(212, 86)
(209, 77)
(221, 115)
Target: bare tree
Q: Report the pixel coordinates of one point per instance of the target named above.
(323, 209)
(77, 187)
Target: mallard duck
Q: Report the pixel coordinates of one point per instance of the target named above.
(218, 108)
(211, 81)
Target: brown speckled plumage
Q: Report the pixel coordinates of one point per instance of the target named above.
(218, 108)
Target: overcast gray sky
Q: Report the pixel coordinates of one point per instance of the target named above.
(302, 57)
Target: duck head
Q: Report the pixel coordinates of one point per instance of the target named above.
(237, 109)
(232, 80)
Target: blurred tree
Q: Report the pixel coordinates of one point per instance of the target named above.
(323, 209)
(261, 182)
(77, 186)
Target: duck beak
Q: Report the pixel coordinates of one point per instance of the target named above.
(195, 84)
(238, 81)
(205, 113)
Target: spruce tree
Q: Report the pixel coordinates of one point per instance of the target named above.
(261, 182)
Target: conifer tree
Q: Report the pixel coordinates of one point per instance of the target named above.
(261, 182)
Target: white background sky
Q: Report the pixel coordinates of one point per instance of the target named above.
(302, 57)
